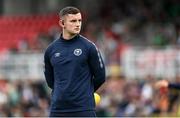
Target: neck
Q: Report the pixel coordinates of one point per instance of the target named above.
(68, 36)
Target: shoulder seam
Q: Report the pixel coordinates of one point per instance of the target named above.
(51, 44)
(88, 40)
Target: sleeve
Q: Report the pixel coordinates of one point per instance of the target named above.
(48, 71)
(174, 85)
(97, 67)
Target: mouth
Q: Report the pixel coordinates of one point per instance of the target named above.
(77, 29)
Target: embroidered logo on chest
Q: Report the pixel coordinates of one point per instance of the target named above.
(57, 54)
(77, 52)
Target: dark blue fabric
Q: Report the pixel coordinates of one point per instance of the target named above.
(74, 114)
(174, 85)
(74, 70)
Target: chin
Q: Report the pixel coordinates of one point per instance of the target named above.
(76, 32)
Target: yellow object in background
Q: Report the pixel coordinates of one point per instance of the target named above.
(97, 98)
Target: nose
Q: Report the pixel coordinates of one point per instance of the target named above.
(78, 24)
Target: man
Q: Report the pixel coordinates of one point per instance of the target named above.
(74, 69)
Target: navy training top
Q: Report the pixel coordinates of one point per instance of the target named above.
(74, 70)
(174, 85)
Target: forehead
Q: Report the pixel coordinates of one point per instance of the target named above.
(73, 16)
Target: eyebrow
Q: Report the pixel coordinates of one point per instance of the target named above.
(76, 20)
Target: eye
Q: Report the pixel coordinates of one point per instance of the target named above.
(73, 21)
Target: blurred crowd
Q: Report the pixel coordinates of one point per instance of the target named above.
(119, 98)
(132, 98)
(23, 98)
(118, 25)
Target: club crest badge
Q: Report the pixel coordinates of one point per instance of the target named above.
(57, 54)
(77, 52)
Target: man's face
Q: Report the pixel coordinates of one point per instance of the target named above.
(72, 23)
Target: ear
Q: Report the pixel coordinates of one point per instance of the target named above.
(61, 23)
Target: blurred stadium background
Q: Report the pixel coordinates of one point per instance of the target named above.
(139, 41)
